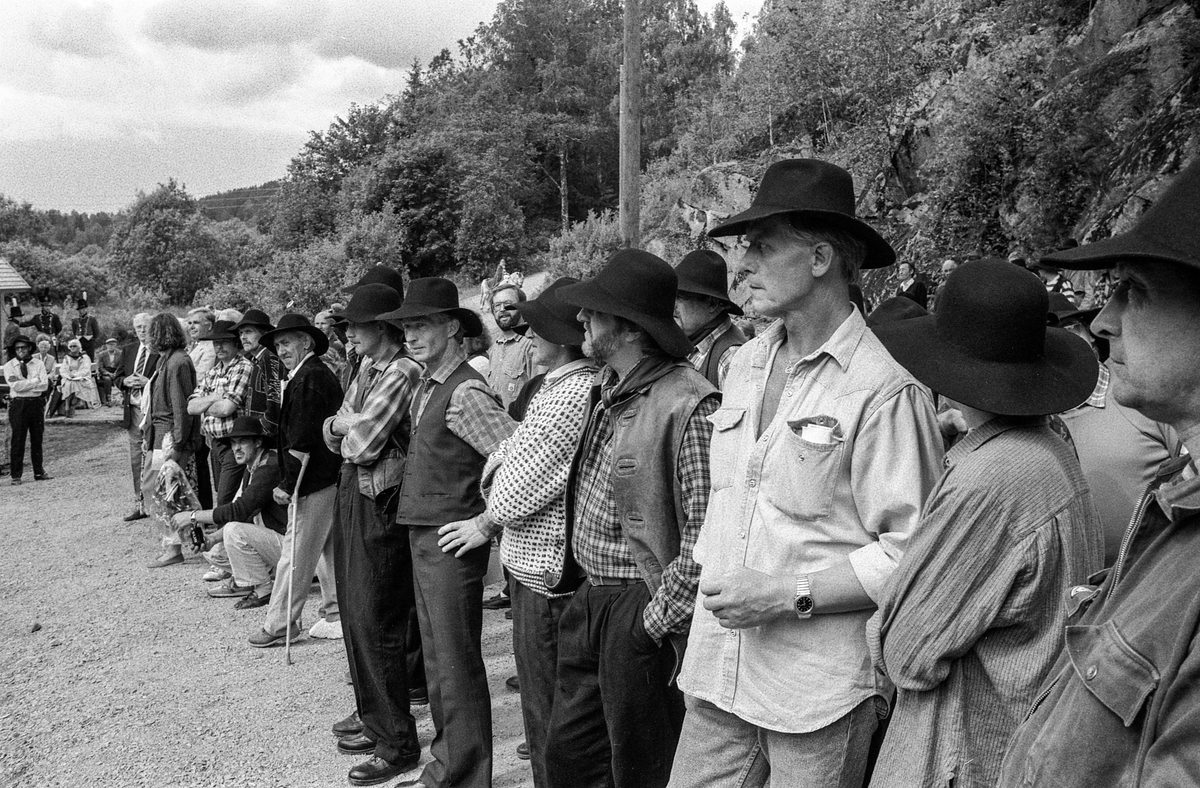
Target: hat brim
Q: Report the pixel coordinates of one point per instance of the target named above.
(665, 332)
(20, 340)
(247, 434)
(217, 337)
(693, 288)
(879, 252)
(471, 323)
(252, 324)
(548, 325)
(1064, 377)
(320, 341)
(1132, 246)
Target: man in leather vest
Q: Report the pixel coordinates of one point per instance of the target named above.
(703, 310)
(457, 421)
(636, 496)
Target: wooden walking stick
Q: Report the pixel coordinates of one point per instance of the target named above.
(302, 456)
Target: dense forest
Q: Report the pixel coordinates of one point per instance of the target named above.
(972, 127)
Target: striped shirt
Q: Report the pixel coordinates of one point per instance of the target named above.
(974, 615)
(229, 381)
(525, 480)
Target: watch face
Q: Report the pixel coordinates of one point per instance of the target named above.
(804, 605)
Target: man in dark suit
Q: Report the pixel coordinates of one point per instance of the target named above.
(136, 368)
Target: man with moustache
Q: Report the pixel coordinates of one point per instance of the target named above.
(137, 366)
(511, 356)
(219, 398)
(263, 396)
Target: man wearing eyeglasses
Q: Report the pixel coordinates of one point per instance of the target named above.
(511, 356)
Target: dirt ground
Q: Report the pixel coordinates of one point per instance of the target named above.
(135, 677)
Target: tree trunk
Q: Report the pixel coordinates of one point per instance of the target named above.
(564, 202)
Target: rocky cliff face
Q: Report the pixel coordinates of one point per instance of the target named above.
(1034, 126)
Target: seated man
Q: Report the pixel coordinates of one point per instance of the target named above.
(253, 523)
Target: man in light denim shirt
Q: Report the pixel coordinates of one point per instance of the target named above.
(827, 450)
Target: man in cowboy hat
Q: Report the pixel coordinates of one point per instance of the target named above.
(311, 395)
(525, 484)
(457, 421)
(219, 398)
(253, 523)
(703, 309)
(27, 381)
(823, 451)
(136, 368)
(85, 328)
(636, 496)
(973, 617)
(1122, 705)
(263, 395)
(374, 565)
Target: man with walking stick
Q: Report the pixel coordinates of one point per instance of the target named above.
(308, 482)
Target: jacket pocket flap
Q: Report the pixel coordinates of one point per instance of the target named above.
(1118, 676)
(726, 418)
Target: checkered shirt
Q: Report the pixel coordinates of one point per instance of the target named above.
(227, 381)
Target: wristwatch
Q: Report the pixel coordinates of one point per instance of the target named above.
(803, 601)
(192, 516)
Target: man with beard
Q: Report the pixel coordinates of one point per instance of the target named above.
(262, 393)
(511, 357)
(703, 310)
(638, 488)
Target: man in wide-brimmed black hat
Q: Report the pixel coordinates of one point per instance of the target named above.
(371, 431)
(27, 381)
(964, 630)
(638, 488)
(823, 451)
(1121, 704)
(220, 397)
(457, 421)
(703, 309)
(263, 395)
(525, 484)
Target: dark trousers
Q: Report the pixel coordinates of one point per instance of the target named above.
(450, 609)
(136, 456)
(374, 586)
(535, 645)
(204, 491)
(225, 471)
(26, 419)
(615, 721)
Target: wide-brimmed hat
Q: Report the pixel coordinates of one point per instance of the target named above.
(221, 329)
(551, 318)
(639, 287)
(702, 272)
(294, 322)
(254, 318)
(247, 427)
(1168, 232)
(431, 295)
(988, 345)
(1062, 311)
(379, 275)
(810, 187)
(893, 310)
(18, 340)
(369, 301)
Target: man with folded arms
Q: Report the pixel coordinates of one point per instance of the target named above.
(253, 523)
(219, 398)
(635, 501)
(311, 394)
(823, 451)
(703, 310)
(262, 392)
(525, 484)
(374, 583)
(973, 617)
(27, 381)
(1122, 704)
(457, 421)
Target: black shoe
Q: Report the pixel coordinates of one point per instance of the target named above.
(252, 601)
(523, 750)
(418, 696)
(508, 614)
(358, 744)
(498, 602)
(136, 514)
(377, 770)
(351, 726)
(513, 683)
(42, 477)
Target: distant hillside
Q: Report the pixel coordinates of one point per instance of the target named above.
(247, 203)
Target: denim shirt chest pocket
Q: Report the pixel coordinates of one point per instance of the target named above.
(801, 471)
(724, 446)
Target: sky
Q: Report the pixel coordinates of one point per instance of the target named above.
(99, 100)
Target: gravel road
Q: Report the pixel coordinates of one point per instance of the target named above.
(134, 677)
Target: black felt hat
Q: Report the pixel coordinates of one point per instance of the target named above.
(222, 329)
(431, 295)
(1168, 232)
(247, 427)
(294, 322)
(893, 310)
(551, 318)
(702, 272)
(814, 188)
(988, 345)
(1062, 311)
(254, 318)
(639, 287)
(18, 340)
(369, 301)
(379, 275)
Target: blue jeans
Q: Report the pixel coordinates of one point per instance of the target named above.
(717, 748)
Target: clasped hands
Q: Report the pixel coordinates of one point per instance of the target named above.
(742, 598)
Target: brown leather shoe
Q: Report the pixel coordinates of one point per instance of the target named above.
(252, 601)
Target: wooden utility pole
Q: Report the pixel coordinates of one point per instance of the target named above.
(631, 127)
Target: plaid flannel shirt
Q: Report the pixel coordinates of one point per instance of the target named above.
(227, 381)
(704, 346)
(380, 392)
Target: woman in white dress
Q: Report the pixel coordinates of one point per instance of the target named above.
(78, 385)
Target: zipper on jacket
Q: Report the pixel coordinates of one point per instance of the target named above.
(1041, 698)
(1134, 522)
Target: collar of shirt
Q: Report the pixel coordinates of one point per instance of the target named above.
(1100, 394)
(508, 339)
(840, 346)
(706, 344)
(292, 374)
(449, 362)
(1179, 495)
(985, 432)
(567, 369)
(383, 363)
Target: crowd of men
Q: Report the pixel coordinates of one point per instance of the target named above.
(908, 548)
